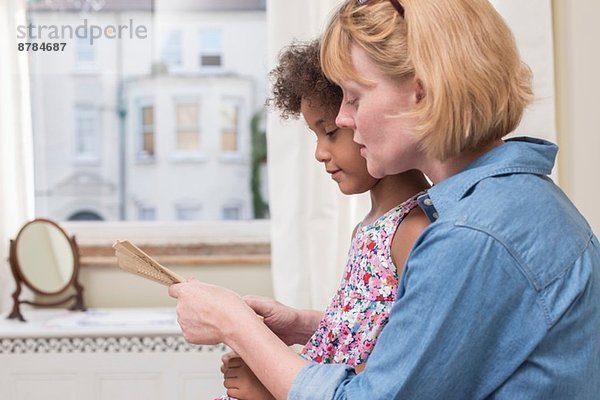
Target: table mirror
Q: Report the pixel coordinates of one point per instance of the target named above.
(46, 260)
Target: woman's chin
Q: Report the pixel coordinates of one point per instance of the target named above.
(375, 172)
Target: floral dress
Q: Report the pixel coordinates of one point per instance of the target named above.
(360, 308)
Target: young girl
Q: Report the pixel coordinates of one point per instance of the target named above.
(380, 243)
(500, 295)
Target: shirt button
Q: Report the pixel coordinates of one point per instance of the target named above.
(428, 202)
(435, 215)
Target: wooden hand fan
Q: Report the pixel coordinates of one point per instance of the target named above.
(132, 259)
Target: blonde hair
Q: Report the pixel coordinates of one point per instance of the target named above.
(460, 51)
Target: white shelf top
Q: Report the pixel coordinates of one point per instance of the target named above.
(99, 322)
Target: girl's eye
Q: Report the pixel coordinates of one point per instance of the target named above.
(332, 133)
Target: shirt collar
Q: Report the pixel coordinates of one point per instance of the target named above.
(517, 155)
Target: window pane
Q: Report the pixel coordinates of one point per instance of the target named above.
(187, 115)
(188, 213)
(210, 60)
(211, 41)
(148, 116)
(171, 51)
(85, 52)
(115, 123)
(146, 213)
(231, 213)
(229, 126)
(147, 132)
(148, 143)
(188, 140)
(86, 134)
(188, 133)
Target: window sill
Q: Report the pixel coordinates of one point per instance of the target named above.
(143, 159)
(188, 158)
(244, 243)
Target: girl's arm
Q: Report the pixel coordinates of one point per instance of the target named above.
(240, 381)
(407, 233)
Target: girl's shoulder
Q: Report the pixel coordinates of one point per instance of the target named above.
(413, 224)
(395, 215)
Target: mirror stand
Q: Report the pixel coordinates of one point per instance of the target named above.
(19, 280)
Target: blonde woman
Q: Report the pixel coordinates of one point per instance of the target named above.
(500, 296)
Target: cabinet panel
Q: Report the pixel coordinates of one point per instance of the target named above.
(105, 355)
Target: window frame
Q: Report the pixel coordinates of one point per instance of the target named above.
(239, 107)
(168, 34)
(84, 65)
(140, 154)
(207, 51)
(90, 157)
(192, 154)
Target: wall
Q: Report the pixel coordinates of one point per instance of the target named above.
(233, 254)
(577, 63)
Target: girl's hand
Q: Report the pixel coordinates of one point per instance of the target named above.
(240, 381)
(208, 313)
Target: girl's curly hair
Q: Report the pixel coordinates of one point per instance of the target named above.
(298, 75)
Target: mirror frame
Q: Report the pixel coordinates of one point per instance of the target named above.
(21, 278)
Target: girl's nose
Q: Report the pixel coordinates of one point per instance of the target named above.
(322, 153)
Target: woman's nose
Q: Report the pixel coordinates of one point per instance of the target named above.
(344, 120)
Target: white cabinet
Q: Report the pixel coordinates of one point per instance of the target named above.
(104, 354)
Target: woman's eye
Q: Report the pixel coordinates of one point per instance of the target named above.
(352, 102)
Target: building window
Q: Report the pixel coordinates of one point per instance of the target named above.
(86, 134)
(171, 48)
(146, 213)
(230, 122)
(232, 212)
(188, 212)
(85, 53)
(146, 146)
(211, 49)
(85, 216)
(188, 127)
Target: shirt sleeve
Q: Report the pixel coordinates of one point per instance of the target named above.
(465, 318)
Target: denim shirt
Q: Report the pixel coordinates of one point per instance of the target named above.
(499, 299)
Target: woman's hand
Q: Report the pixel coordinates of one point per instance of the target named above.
(208, 313)
(240, 381)
(211, 314)
(293, 326)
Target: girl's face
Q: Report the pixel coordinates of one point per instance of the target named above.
(372, 112)
(336, 149)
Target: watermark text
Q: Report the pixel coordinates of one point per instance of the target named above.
(91, 32)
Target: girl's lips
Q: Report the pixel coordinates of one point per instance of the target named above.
(335, 175)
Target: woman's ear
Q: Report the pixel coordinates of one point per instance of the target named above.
(419, 91)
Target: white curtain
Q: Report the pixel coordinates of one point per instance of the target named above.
(16, 171)
(531, 23)
(311, 221)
